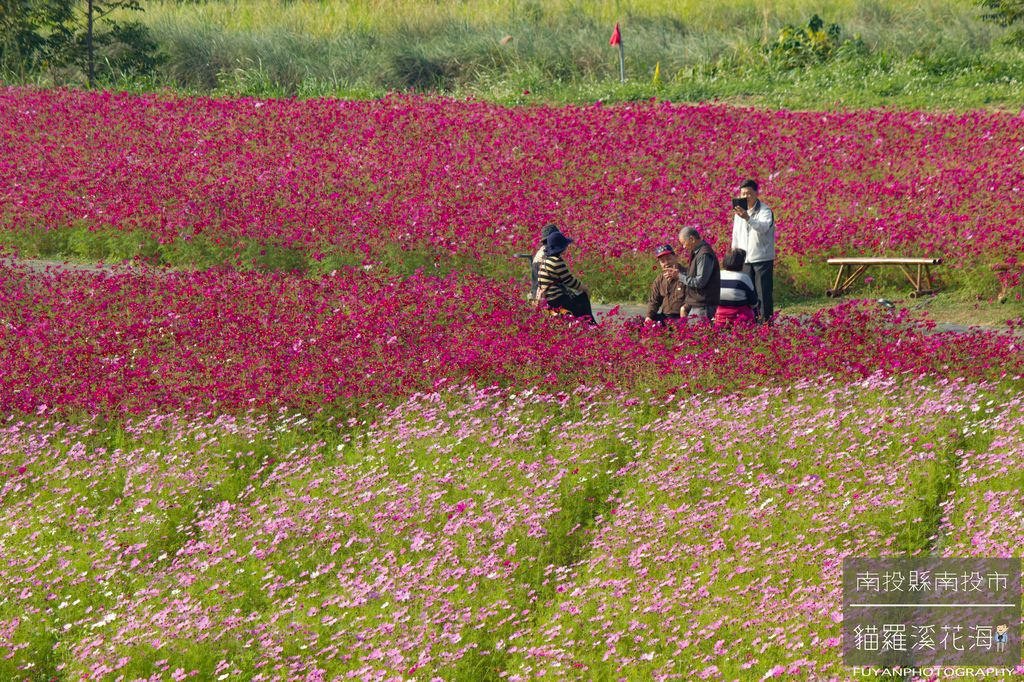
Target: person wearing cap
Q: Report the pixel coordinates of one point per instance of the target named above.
(545, 232)
(667, 292)
(753, 230)
(702, 278)
(737, 300)
(556, 285)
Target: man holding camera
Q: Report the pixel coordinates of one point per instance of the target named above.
(753, 230)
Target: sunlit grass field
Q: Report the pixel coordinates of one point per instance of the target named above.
(929, 54)
(879, 20)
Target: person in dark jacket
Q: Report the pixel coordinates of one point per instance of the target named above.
(702, 278)
(666, 296)
(557, 286)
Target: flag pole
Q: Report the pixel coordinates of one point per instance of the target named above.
(616, 40)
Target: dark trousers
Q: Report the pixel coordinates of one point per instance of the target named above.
(762, 275)
(578, 305)
(662, 317)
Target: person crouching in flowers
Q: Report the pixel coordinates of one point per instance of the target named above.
(557, 287)
(665, 299)
(737, 299)
(545, 232)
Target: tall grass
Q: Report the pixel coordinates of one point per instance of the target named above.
(929, 53)
(330, 19)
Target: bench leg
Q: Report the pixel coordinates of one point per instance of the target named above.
(1007, 280)
(923, 273)
(840, 287)
(928, 274)
(834, 291)
(1004, 290)
(910, 278)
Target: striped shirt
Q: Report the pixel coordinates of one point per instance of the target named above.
(535, 272)
(737, 290)
(554, 279)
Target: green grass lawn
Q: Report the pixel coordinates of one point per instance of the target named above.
(936, 54)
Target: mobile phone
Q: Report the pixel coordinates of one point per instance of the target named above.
(740, 203)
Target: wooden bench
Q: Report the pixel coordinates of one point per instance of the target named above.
(1010, 274)
(918, 280)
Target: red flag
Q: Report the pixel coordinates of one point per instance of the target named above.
(616, 38)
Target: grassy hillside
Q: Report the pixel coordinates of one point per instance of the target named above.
(934, 53)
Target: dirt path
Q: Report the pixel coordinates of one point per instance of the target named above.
(42, 265)
(627, 310)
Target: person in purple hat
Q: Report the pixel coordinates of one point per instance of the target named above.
(666, 297)
(556, 285)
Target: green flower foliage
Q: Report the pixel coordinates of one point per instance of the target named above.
(799, 46)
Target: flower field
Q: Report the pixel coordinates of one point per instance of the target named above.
(132, 342)
(340, 446)
(410, 182)
(219, 474)
(489, 533)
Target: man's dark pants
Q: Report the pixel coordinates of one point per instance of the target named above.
(762, 274)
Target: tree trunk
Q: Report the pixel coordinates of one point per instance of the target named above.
(88, 43)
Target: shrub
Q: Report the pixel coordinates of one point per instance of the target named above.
(798, 46)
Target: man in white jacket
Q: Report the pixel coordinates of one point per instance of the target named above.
(753, 230)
